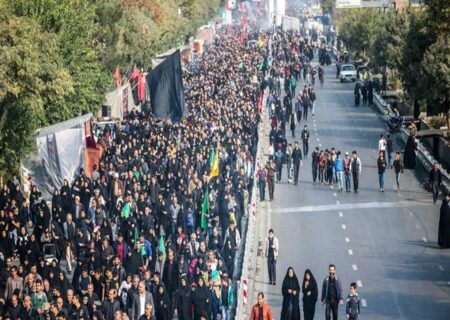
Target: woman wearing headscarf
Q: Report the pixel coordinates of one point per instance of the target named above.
(162, 304)
(201, 299)
(291, 293)
(33, 249)
(183, 301)
(66, 196)
(310, 292)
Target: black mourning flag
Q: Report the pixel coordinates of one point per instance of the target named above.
(166, 89)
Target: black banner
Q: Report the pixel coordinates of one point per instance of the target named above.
(166, 89)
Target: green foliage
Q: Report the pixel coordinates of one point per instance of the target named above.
(57, 57)
(33, 85)
(358, 29)
(414, 43)
(328, 6)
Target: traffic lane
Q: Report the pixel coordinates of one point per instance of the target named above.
(305, 243)
(324, 198)
(398, 265)
(414, 191)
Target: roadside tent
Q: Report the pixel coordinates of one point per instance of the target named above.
(61, 153)
(119, 103)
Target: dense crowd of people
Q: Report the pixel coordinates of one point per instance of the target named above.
(153, 232)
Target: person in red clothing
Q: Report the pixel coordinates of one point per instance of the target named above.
(261, 310)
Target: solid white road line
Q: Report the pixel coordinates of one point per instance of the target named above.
(364, 303)
(355, 267)
(344, 226)
(347, 240)
(359, 283)
(350, 252)
(352, 206)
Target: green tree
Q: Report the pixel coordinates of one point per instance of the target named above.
(74, 24)
(33, 86)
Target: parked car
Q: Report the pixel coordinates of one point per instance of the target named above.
(348, 72)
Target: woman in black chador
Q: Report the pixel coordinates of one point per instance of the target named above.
(310, 292)
(291, 294)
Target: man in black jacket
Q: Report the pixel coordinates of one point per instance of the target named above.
(315, 163)
(296, 160)
(110, 305)
(435, 181)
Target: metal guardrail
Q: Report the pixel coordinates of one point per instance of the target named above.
(424, 157)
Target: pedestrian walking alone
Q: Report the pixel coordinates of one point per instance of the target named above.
(356, 171)
(381, 164)
(398, 169)
(261, 310)
(444, 223)
(291, 292)
(313, 97)
(270, 169)
(271, 252)
(435, 181)
(296, 161)
(310, 294)
(261, 174)
(305, 140)
(332, 295)
(353, 306)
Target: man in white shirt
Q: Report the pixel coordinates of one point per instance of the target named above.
(382, 145)
(140, 301)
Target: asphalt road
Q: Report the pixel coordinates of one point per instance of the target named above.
(384, 241)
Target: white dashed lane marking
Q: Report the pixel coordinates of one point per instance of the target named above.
(364, 303)
(347, 240)
(359, 283)
(340, 214)
(344, 226)
(350, 252)
(425, 239)
(335, 194)
(355, 267)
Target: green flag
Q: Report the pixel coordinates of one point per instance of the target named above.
(161, 246)
(126, 210)
(212, 155)
(136, 235)
(205, 209)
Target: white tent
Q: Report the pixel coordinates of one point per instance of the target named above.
(60, 154)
